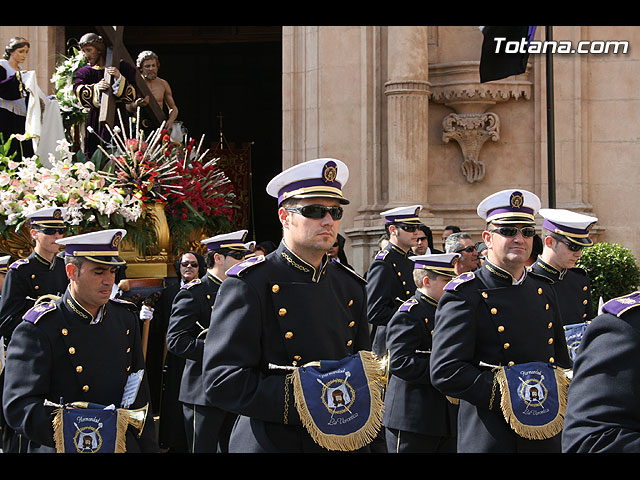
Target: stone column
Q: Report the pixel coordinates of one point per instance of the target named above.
(407, 92)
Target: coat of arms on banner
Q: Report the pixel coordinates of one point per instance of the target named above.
(340, 402)
(83, 427)
(573, 334)
(89, 430)
(534, 398)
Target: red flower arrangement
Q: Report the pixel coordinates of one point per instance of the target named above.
(202, 196)
(195, 194)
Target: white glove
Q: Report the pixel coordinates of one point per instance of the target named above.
(146, 313)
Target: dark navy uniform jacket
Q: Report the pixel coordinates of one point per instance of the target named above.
(188, 324)
(278, 310)
(26, 280)
(603, 412)
(57, 354)
(484, 317)
(573, 289)
(389, 283)
(411, 403)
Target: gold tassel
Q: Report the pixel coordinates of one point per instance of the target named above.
(58, 436)
(374, 370)
(453, 401)
(528, 431)
(121, 431)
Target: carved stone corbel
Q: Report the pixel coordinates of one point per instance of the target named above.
(457, 86)
(471, 130)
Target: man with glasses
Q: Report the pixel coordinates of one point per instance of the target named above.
(281, 311)
(565, 234)
(82, 347)
(496, 318)
(469, 258)
(207, 427)
(424, 242)
(165, 369)
(41, 273)
(448, 230)
(390, 275)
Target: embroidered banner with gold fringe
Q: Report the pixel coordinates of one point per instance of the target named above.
(534, 398)
(341, 402)
(83, 427)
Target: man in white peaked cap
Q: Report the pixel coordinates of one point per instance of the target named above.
(93, 347)
(207, 427)
(417, 417)
(389, 278)
(564, 235)
(41, 273)
(277, 312)
(494, 319)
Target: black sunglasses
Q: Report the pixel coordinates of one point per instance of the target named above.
(52, 230)
(469, 249)
(408, 228)
(421, 239)
(574, 247)
(318, 211)
(193, 264)
(508, 231)
(236, 255)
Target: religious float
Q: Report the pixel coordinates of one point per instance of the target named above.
(168, 193)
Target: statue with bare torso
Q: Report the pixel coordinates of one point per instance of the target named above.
(148, 65)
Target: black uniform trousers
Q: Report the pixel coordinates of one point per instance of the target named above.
(207, 427)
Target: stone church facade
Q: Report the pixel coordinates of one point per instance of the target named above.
(403, 106)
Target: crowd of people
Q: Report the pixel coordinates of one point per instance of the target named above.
(272, 347)
(466, 351)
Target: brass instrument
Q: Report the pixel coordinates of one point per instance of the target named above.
(384, 366)
(137, 417)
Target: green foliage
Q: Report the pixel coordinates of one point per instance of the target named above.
(613, 271)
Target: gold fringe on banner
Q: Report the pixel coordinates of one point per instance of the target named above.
(58, 436)
(531, 432)
(125, 417)
(375, 370)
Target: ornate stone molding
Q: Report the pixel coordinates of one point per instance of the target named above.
(457, 86)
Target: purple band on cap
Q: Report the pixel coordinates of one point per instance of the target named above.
(427, 263)
(79, 247)
(400, 218)
(498, 210)
(311, 182)
(228, 244)
(549, 225)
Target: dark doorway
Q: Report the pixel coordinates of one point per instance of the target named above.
(224, 74)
